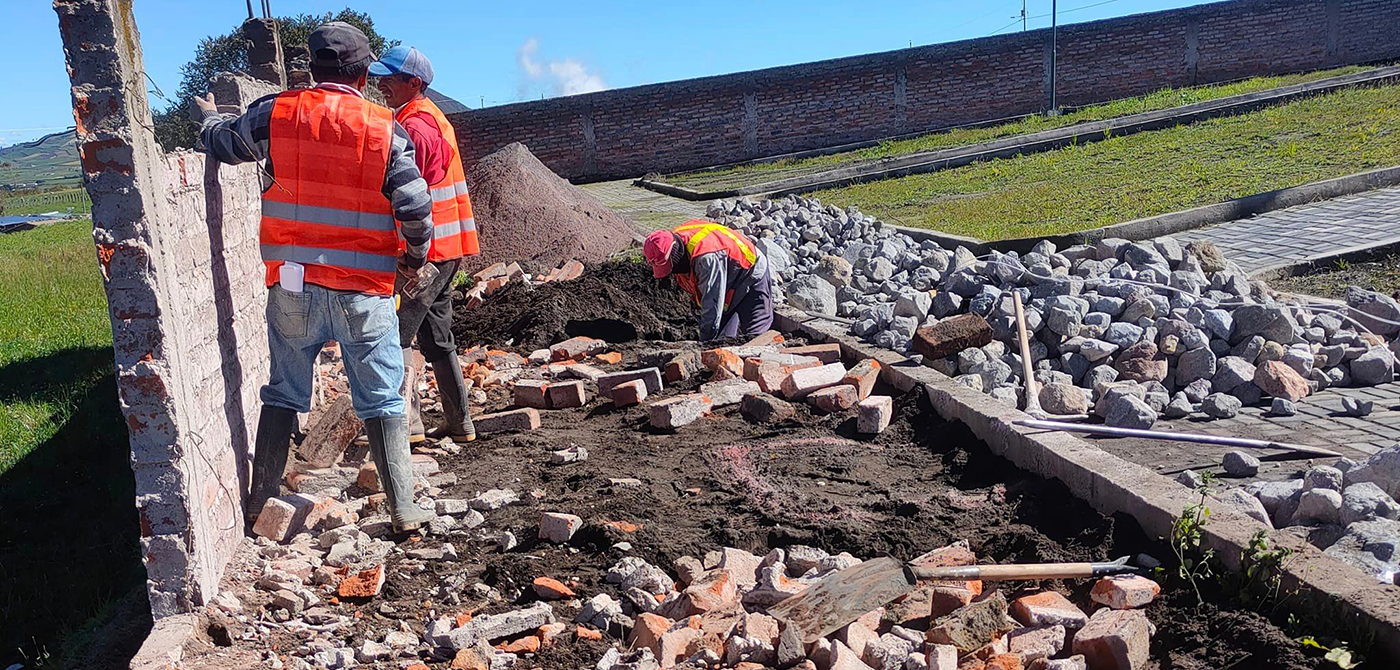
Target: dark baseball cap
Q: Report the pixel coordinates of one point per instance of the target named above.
(337, 44)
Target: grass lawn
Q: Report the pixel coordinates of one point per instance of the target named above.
(1124, 178)
(1380, 274)
(746, 175)
(68, 542)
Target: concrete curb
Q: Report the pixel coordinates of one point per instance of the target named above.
(1081, 133)
(1190, 219)
(1325, 587)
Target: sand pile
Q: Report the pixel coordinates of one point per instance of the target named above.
(526, 213)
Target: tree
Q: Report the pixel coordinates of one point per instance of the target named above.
(227, 53)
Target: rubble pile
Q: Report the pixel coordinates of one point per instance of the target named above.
(1347, 509)
(488, 280)
(713, 614)
(1128, 331)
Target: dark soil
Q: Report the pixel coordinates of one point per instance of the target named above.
(618, 301)
(1379, 274)
(526, 213)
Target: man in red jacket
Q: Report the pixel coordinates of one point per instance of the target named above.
(403, 75)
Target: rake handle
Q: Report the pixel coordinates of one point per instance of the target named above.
(1001, 573)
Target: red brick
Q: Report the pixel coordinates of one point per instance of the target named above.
(951, 335)
(548, 588)
(1047, 608)
(1122, 592)
(525, 645)
(531, 393)
(283, 517)
(647, 632)
(629, 393)
(610, 358)
(804, 381)
(826, 353)
(562, 395)
(679, 411)
(576, 348)
(874, 414)
(833, 398)
(363, 584)
(527, 418)
(863, 376)
(766, 339)
(715, 359)
(1115, 640)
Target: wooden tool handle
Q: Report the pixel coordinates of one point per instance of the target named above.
(1000, 573)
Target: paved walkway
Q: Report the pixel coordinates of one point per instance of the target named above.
(1300, 233)
(648, 209)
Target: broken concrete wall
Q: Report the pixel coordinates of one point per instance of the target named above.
(694, 123)
(176, 238)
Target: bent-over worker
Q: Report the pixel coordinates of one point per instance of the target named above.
(342, 188)
(723, 270)
(402, 76)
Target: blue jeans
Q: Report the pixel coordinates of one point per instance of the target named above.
(299, 324)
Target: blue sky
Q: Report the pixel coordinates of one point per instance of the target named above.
(502, 52)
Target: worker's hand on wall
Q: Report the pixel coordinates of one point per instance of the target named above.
(201, 107)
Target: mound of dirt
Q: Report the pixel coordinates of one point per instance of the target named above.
(617, 301)
(526, 213)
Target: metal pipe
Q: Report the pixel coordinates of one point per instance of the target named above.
(1198, 438)
(1054, 51)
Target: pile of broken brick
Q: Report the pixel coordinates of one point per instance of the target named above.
(714, 615)
(495, 277)
(711, 612)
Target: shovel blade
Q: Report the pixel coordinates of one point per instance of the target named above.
(844, 597)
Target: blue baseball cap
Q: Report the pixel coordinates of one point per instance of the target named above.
(403, 60)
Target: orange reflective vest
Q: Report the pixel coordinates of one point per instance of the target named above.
(326, 208)
(454, 228)
(703, 237)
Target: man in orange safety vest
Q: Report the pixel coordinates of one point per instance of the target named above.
(402, 75)
(723, 270)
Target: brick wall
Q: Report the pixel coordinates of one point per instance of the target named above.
(714, 120)
(176, 239)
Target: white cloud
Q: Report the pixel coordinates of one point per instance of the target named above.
(560, 77)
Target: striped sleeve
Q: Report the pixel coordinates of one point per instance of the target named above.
(408, 195)
(238, 139)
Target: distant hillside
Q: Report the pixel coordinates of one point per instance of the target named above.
(48, 161)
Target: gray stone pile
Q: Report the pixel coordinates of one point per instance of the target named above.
(1347, 509)
(1130, 331)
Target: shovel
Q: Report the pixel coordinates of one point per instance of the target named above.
(851, 593)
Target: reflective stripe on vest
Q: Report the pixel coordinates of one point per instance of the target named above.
(327, 211)
(702, 237)
(454, 228)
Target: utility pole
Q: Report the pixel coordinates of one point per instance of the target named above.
(1054, 52)
(1023, 16)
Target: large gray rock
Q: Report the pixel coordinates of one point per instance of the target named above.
(1221, 406)
(1060, 398)
(1244, 503)
(1370, 546)
(1319, 507)
(1322, 477)
(1272, 322)
(1381, 469)
(835, 270)
(1274, 495)
(1373, 367)
(1231, 371)
(1366, 304)
(813, 294)
(1239, 464)
(1129, 411)
(1366, 500)
(1197, 364)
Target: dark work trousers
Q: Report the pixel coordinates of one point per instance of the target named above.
(752, 315)
(429, 316)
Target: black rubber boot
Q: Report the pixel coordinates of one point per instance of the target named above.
(388, 446)
(409, 391)
(456, 413)
(273, 442)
